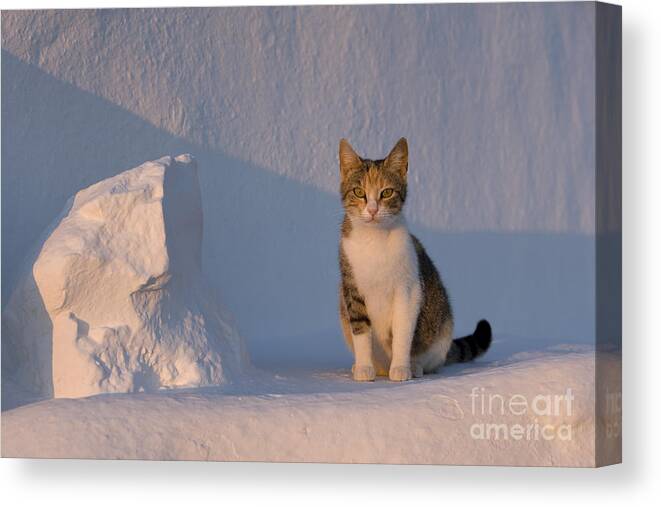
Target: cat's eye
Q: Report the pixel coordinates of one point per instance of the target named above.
(387, 193)
(359, 192)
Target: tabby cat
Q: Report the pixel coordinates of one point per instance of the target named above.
(394, 310)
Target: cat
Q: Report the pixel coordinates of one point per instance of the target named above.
(394, 310)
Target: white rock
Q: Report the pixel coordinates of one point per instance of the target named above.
(116, 301)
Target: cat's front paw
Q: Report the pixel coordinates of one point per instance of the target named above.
(400, 373)
(363, 372)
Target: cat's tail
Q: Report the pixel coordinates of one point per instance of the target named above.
(471, 346)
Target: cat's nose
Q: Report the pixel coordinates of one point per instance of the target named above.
(372, 208)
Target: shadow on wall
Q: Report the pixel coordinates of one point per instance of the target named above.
(270, 243)
(27, 366)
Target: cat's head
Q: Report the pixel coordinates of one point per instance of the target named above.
(373, 191)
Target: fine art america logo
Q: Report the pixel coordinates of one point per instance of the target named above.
(536, 413)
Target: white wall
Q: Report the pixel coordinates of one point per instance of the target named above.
(497, 102)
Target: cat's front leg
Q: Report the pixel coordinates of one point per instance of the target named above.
(406, 306)
(361, 333)
(363, 370)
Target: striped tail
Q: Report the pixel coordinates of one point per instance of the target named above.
(471, 346)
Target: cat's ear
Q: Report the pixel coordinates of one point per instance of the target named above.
(398, 158)
(349, 159)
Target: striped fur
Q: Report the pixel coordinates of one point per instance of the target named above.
(471, 346)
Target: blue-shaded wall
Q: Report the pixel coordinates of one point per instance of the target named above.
(497, 102)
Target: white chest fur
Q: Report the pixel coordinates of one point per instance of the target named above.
(384, 263)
